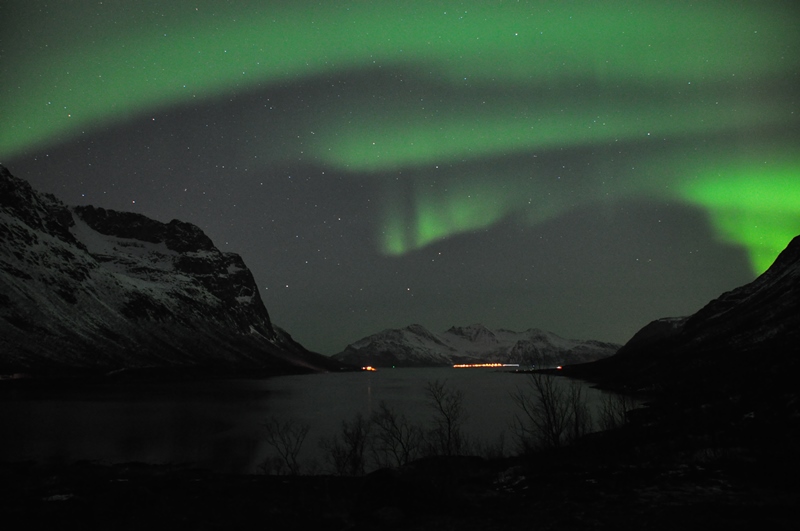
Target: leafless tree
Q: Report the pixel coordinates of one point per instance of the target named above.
(346, 450)
(395, 440)
(580, 415)
(614, 410)
(446, 437)
(550, 415)
(286, 438)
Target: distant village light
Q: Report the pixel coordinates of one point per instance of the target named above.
(476, 365)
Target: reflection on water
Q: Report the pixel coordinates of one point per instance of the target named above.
(217, 424)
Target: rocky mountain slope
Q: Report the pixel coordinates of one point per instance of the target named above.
(751, 332)
(88, 289)
(415, 346)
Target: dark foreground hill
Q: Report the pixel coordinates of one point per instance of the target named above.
(746, 339)
(84, 289)
(725, 378)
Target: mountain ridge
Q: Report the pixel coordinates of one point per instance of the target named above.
(749, 332)
(89, 289)
(416, 346)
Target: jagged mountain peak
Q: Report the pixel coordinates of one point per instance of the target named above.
(37, 210)
(473, 332)
(467, 329)
(417, 329)
(179, 236)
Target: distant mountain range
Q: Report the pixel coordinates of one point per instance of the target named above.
(415, 346)
(747, 338)
(92, 290)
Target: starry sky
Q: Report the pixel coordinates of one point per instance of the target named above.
(578, 166)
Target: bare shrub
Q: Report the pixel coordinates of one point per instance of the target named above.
(491, 449)
(550, 414)
(272, 466)
(345, 451)
(614, 410)
(446, 437)
(286, 439)
(395, 440)
(580, 416)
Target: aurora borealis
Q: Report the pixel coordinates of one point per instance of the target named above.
(582, 167)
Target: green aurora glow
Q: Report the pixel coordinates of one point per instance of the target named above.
(475, 81)
(752, 204)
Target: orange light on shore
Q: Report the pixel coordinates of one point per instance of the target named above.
(369, 368)
(483, 365)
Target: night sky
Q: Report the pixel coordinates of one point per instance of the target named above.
(581, 167)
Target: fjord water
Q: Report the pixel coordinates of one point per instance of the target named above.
(219, 424)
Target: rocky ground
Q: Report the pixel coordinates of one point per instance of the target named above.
(573, 489)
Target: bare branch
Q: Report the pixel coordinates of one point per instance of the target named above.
(286, 438)
(446, 438)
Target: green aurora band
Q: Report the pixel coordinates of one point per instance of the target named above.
(752, 204)
(475, 81)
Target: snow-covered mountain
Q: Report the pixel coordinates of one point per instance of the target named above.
(83, 288)
(415, 346)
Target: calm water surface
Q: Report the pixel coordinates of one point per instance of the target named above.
(218, 424)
